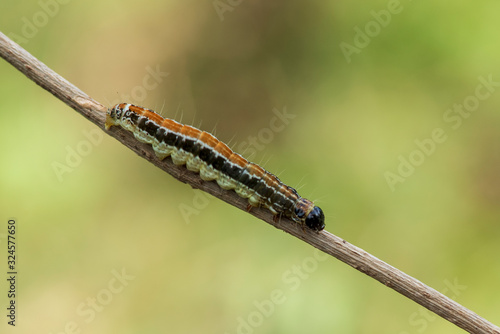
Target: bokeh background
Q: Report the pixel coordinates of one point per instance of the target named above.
(190, 263)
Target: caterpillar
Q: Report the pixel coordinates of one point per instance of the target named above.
(202, 153)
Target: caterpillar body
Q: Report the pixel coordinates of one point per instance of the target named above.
(202, 153)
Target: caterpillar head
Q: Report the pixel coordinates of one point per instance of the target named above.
(315, 220)
(309, 214)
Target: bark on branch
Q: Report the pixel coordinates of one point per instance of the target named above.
(324, 241)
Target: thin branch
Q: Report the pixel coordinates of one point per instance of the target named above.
(324, 241)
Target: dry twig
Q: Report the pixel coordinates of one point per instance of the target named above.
(324, 241)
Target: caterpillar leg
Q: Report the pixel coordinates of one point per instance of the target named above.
(249, 207)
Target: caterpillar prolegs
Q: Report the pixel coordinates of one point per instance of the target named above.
(202, 153)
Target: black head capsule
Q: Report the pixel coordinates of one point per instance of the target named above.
(315, 220)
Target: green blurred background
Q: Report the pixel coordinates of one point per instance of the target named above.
(85, 221)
